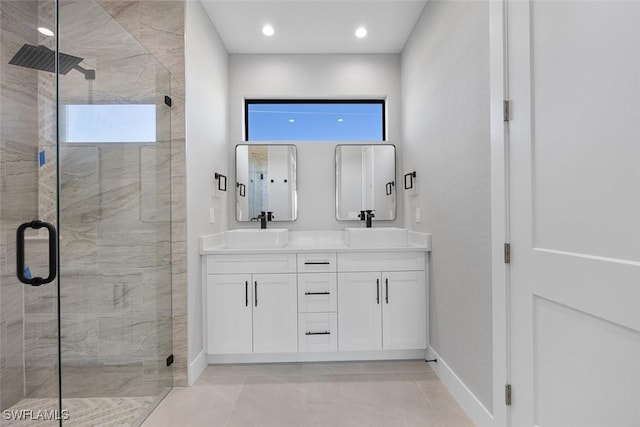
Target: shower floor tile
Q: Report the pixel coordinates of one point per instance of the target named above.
(83, 412)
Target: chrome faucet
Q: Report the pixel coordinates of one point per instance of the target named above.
(367, 215)
(264, 217)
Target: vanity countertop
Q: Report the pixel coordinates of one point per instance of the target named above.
(310, 242)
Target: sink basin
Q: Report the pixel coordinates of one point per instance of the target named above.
(256, 238)
(382, 237)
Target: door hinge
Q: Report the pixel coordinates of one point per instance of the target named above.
(168, 101)
(507, 394)
(170, 360)
(506, 110)
(507, 253)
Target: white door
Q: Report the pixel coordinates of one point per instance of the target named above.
(229, 314)
(275, 313)
(359, 312)
(404, 311)
(574, 78)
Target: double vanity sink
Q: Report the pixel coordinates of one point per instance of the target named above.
(356, 238)
(274, 295)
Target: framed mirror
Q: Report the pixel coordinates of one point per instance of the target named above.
(365, 179)
(266, 181)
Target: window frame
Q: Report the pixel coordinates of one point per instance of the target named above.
(253, 101)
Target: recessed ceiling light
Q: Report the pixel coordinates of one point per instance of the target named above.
(268, 30)
(361, 32)
(45, 31)
(292, 121)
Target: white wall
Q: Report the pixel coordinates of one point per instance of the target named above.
(206, 74)
(445, 106)
(313, 76)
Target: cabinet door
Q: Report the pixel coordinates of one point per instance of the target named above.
(404, 315)
(229, 313)
(359, 312)
(275, 313)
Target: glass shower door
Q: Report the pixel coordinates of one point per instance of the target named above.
(29, 365)
(86, 152)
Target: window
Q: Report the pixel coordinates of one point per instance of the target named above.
(314, 120)
(128, 123)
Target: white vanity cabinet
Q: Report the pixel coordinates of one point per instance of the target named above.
(251, 312)
(382, 301)
(315, 305)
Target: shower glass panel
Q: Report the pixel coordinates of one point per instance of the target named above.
(86, 150)
(29, 367)
(114, 215)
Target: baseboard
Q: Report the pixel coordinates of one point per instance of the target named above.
(330, 356)
(480, 415)
(197, 367)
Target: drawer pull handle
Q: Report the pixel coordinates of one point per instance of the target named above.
(317, 293)
(318, 333)
(386, 284)
(317, 263)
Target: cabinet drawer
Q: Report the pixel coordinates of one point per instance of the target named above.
(381, 261)
(254, 263)
(309, 263)
(317, 292)
(317, 332)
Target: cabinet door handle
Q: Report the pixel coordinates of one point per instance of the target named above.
(318, 333)
(246, 293)
(317, 293)
(386, 285)
(378, 291)
(317, 263)
(255, 292)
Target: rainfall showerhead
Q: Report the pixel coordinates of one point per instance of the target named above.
(44, 59)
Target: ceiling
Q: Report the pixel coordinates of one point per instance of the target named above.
(312, 26)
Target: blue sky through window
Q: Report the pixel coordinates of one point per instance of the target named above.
(295, 121)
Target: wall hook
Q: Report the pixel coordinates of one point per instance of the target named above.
(243, 189)
(222, 181)
(408, 180)
(389, 187)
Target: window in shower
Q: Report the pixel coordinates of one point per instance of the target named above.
(115, 123)
(314, 120)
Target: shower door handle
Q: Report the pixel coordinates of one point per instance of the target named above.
(53, 253)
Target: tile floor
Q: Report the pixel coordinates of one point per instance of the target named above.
(386, 394)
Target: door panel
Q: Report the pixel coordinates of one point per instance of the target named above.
(404, 311)
(575, 350)
(229, 301)
(275, 313)
(359, 312)
(574, 78)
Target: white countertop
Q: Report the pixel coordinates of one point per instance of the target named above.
(310, 242)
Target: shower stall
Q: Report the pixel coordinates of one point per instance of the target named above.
(85, 218)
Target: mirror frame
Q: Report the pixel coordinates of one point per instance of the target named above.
(395, 177)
